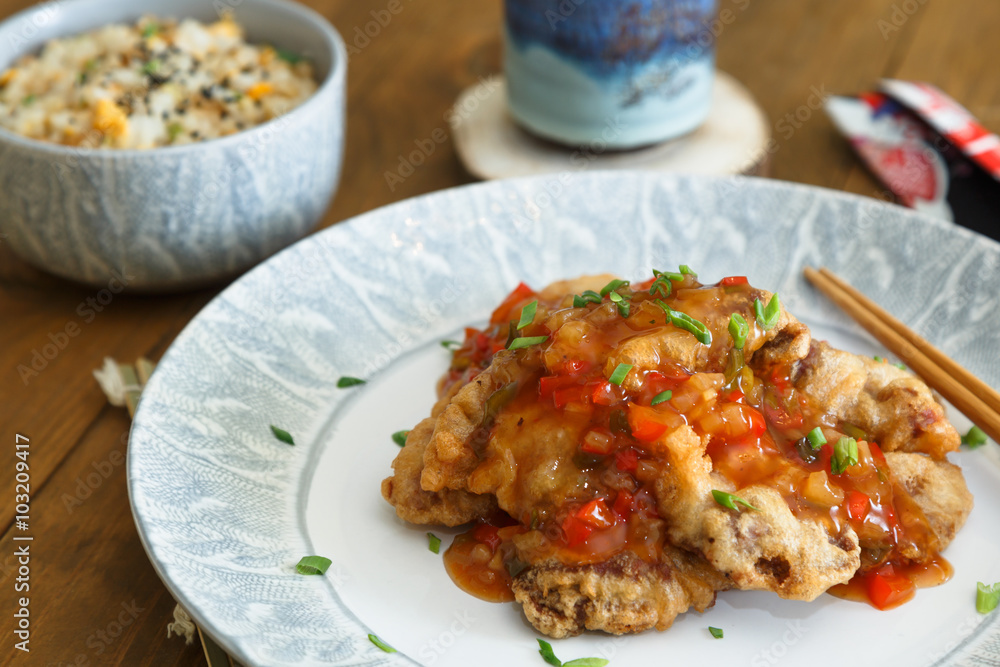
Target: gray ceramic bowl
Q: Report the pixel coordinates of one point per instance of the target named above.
(174, 217)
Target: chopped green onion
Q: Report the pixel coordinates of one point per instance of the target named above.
(688, 323)
(381, 644)
(520, 343)
(28, 99)
(150, 30)
(527, 315)
(768, 316)
(399, 437)
(739, 330)
(900, 366)
(612, 286)
(716, 632)
(686, 270)
(853, 431)
(151, 67)
(434, 543)
(313, 565)
(619, 375)
(661, 286)
(450, 344)
(621, 302)
(545, 650)
(347, 381)
(729, 500)
(987, 597)
(661, 397)
(845, 454)
(816, 438)
(282, 434)
(174, 130)
(878, 359)
(289, 57)
(672, 276)
(589, 296)
(974, 438)
(496, 402)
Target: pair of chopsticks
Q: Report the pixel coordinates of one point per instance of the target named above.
(970, 395)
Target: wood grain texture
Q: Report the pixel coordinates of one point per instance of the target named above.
(402, 83)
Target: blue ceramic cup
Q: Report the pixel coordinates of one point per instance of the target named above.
(624, 73)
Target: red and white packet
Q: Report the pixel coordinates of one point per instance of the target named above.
(927, 149)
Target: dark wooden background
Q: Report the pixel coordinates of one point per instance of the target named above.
(87, 564)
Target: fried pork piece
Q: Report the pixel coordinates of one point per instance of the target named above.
(457, 446)
(621, 595)
(894, 407)
(789, 336)
(767, 549)
(414, 504)
(487, 441)
(938, 487)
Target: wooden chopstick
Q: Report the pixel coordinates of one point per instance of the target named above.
(970, 395)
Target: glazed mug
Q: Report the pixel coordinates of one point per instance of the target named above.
(625, 73)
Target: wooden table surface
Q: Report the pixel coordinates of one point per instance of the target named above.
(94, 597)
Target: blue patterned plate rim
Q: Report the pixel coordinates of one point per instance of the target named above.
(305, 623)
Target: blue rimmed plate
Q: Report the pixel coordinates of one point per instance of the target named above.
(225, 510)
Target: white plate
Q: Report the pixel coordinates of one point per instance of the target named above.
(225, 510)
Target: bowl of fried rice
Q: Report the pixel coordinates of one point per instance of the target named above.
(166, 143)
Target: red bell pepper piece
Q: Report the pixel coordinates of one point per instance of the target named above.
(858, 505)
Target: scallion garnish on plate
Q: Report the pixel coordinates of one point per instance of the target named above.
(612, 286)
(282, 435)
(450, 344)
(976, 437)
(619, 375)
(527, 315)
(381, 644)
(845, 454)
(526, 341)
(739, 329)
(816, 438)
(767, 316)
(987, 597)
(549, 656)
(730, 501)
(434, 543)
(686, 322)
(588, 296)
(399, 437)
(716, 632)
(662, 397)
(347, 381)
(313, 565)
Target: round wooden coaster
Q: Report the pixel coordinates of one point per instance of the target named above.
(733, 140)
